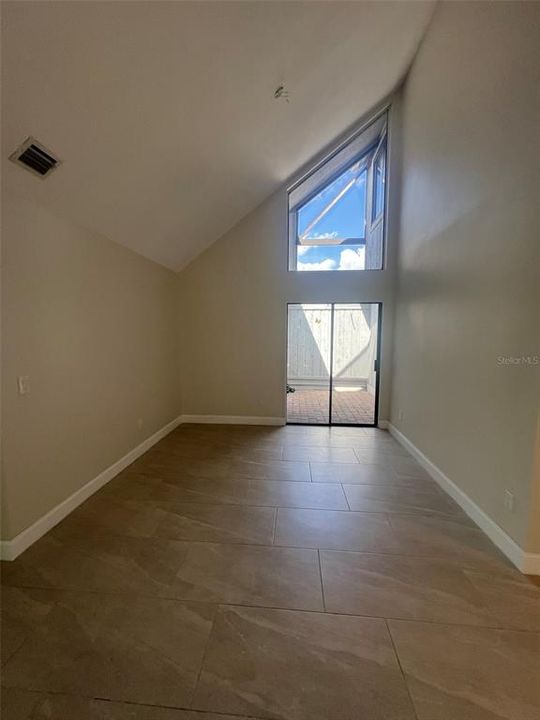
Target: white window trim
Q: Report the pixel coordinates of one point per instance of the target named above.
(330, 167)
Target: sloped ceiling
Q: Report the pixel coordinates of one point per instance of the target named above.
(163, 113)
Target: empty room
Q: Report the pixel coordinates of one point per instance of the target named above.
(270, 400)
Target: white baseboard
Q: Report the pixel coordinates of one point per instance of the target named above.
(232, 420)
(527, 563)
(10, 549)
(383, 424)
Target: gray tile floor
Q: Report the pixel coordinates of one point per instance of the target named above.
(294, 573)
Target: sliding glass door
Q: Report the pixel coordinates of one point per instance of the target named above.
(354, 358)
(308, 364)
(332, 363)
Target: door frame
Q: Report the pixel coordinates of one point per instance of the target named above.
(330, 386)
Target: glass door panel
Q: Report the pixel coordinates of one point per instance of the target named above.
(309, 345)
(355, 331)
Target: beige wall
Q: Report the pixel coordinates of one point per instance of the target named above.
(469, 255)
(94, 326)
(533, 536)
(234, 322)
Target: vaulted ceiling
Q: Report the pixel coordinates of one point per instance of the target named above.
(163, 113)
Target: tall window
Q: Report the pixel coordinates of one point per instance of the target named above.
(336, 213)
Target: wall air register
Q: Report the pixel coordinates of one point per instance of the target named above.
(35, 157)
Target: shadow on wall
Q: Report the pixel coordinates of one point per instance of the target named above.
(354, 344)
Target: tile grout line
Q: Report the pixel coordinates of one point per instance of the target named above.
(179, 708)
(321, 578)
(455, 562)
(403, 482)
(5, 661)
(203, 658)
(403, 675)
(225, 604)
(274, 527)
(346, 498)
(427, 513)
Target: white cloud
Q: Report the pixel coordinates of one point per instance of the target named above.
(323, 236)
(303, 249)
(327, 264)
(352, 259)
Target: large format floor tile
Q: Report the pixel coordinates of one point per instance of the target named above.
(271, 577)
(24, 705)
(396, 499)
(353, 473)
(33, 607)
(295, 665)
(207, 572)
(378, 451)
(319, 454)
(171, 463)
(20, 704)
(405, 466)
(217, 523)
(110, 616)
(124, 517)
(335, 529)
(465, 673)
(277, 470)
(272, 493)
(257, 454)
(205, 465)
(401, 587)
(390, 455)
(178, 521)
(218, 449)
(382, 443)
(97, 645)
(221, 439)
(324, 437)
(446, 538)
(514, 601)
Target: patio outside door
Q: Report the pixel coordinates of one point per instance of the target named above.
(332, 363)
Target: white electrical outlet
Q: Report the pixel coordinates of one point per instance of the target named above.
(23, 384)
(509, 500)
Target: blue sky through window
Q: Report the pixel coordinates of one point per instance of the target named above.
(319, 219)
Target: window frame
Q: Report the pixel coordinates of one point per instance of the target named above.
(368, 153)
(381, 151)
(365, 168)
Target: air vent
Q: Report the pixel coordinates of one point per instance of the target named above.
(35, 157)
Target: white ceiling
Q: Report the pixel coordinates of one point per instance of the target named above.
(163, 112)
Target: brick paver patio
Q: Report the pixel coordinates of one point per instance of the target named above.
(310, 405)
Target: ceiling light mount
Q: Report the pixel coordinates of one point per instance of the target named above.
(281, 93)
